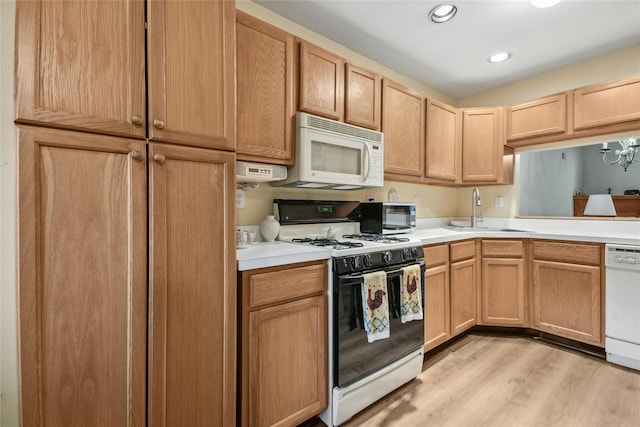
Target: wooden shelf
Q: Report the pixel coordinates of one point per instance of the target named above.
(627, 206)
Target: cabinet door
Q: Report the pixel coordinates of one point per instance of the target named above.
(607, 103)
(463, 295)
(82, 278)
(191, 69)
(442, 141)
(436, 310)
(288, 365)
(265, 95)
(363, 99)
(403, 127)
(567, 300)
(80, 65)
(503, 291)
(482, 142)
(192, 287)
(545, 116)
(321, 82)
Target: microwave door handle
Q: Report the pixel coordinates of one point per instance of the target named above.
(367, 161)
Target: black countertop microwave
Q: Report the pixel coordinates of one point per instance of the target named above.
(387, 218)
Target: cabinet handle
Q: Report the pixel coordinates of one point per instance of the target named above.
(137, 120)
(158, 123)
(136, 155)
(159, 158)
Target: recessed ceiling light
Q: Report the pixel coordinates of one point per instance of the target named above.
(442, 13)
(499, 57)
(544, 3)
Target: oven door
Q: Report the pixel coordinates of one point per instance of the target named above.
(356, 358)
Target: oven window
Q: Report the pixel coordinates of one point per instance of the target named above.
(356, 357)
(335, 158)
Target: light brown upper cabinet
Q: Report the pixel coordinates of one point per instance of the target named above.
(191, 71)
(442, 141)
(403, 127)
(80, 65)
(265, 68)
(363, 97)
(321, 82)
(482, 145)
(542, 117)
(607, 103)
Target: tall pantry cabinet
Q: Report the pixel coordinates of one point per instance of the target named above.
(126, 265)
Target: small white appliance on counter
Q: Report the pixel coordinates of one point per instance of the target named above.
(259, 172)
(622, 319)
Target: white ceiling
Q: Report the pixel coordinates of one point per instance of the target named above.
(452, 57)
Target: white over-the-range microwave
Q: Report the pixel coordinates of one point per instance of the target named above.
(335, 155)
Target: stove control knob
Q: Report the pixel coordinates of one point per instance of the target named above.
(345, 263)
(366, 260)
(355, 262)
(387, 257)
(405, 254)
(414, 252)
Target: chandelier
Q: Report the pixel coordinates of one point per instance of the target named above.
(625, 155)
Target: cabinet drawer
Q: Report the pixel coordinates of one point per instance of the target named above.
(272, 286)
(567, 252)
(463, 250)
(502, 248)
(436, 255)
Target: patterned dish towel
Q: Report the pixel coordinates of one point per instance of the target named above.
(411, 302)
(375, 305)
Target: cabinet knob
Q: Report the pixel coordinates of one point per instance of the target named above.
(159, 124)
(136, 120)
(136, 155)
(159, 158)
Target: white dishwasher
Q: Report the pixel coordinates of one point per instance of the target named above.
(622, 320)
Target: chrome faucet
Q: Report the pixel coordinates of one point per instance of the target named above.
(475, 201)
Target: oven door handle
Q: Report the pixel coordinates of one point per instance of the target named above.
(389, 273)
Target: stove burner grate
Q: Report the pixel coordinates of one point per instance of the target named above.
(379, 238)
(328, 242)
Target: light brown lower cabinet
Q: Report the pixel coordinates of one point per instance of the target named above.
(567, 290)
(463, 286)
(83, 282)
(192, 289)
(283, 347)
(503, 290)
(437, 311)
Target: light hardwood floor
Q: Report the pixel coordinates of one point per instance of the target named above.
(496, 380)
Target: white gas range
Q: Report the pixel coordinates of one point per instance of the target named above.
(360, 371)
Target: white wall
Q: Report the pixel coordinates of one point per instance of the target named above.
(8, 324)
(606, 67)
(548, 180)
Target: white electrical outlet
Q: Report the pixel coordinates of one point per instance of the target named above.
(499, 202)
(239, 199)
